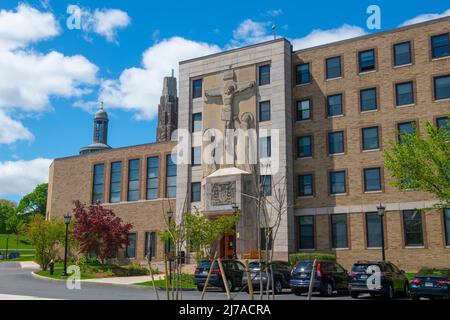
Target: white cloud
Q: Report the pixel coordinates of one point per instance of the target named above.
(24, 26)
(28, 79)
(318, 37)
(139, 88)
(21, 177)
(11, 130)
(426, 17)
(105, 22)
(250, 32)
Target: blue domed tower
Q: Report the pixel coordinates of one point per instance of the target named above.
(100, 133)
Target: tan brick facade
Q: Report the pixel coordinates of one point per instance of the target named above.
(72, 179)
(354, 160)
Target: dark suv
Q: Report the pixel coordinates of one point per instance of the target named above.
(330, 276)
(377, 278)
(233, 270)
(281, 275)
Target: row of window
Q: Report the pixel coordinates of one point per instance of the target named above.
(367, 61)
(370, 138)
(133, 183)
(149, 245)
(368, 99)
(337, 182)
(413, 230)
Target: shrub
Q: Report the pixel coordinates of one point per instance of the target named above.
(296, 257)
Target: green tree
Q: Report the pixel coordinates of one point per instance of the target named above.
(422, 163)
(47, 237)
(203, 231)
(7, 209)
(34, 202)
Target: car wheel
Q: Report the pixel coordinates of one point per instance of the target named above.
(390, 292)
(230, 286)
(297, 292)
(328, 290)
(415, 298)
(200, 288)
(354, 295)
(278, 287)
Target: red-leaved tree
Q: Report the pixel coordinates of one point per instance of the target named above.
(98, 230)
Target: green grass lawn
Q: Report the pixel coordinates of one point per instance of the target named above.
(187, 282)
(57, 274)
(12, 244)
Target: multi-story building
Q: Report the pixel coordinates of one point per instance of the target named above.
(323, 117)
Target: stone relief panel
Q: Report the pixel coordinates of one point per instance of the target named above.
(223, 193)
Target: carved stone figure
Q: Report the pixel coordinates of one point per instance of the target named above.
(223, 193)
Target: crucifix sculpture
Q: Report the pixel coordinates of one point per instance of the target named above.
(228, 92)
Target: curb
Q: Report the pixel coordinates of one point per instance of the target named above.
(135, 286)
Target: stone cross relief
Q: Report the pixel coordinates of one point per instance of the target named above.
(228, 92)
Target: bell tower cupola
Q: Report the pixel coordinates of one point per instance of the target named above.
(100, 139)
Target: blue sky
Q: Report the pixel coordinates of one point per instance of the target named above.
(52, 77)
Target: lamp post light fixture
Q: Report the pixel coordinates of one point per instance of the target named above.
(67, 219)
(235, 208)
(381, 211)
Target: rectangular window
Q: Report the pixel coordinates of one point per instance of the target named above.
(333, 67)
(373, 230)
(447, 226)
(412, 224)
(197, 122)
(264, 74)
(404, 129)
(402, 53)
(334, 105)
(372, 179)
(303, 74)
(306, 232)
(265, 147)
(440, 46)
(442, 87)
(171, 176)
(196, 154)
(150, 244)
(131, 247)
(266, 234)
(366, 60)
(304, 147)
(368, 99)
(339, 231)
(370, 138)
(97, 190)
(152, 178)
(443, 122)
(133, 180)
(337, 182)
(266, 185)
(264, 111)
(303, 110)
(197, 88)
(336, 142)
(196, 192)
(305, 185)
(116, 179)
(404, 93)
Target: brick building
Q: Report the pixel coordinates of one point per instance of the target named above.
(329, 111)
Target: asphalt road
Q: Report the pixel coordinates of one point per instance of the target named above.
(19, 283)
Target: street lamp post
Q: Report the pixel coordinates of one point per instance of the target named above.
(67, 219)
(7, 245)
(235, 208)
(168, 249)
(381, 209)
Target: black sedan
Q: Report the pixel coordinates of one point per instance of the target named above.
(281, 275)
(233, 270)
(431, 284)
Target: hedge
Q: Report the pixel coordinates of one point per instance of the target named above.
(296, 257)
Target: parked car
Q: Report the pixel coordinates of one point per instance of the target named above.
(233, 270)
(431, 283)
(391, 281)
(330, 276)
(281, 275)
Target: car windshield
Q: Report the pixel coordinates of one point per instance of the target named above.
(304, 265)
(362, 268)
(207, 265)
(254, 265)
(427, 272)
